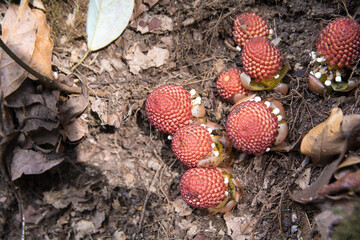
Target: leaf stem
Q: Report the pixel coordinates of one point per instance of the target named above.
(81, 60)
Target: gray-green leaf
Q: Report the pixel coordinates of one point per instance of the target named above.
(106, 20)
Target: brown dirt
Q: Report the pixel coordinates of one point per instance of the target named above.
(122, 180)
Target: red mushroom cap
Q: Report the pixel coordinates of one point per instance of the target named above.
(191, 143)
(203, 187)
(339, 42)
(168, 108)
(248, 26)
(261, 59)
(229, 84)
(252, 128)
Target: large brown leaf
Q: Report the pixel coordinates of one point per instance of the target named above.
(326, 141)
(41, 58)
(18, 29)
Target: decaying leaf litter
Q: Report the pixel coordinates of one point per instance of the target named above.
(123, 164)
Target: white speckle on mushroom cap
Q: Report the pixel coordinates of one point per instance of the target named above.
(321, 59)
(313, 54)
(196, 101)
(318, 75)
(276, 111)
(257, 99)
(267, 103)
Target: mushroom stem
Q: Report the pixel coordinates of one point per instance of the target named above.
(283, 131)
(198, 111)
(316, 85)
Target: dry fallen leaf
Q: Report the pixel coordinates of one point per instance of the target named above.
(158, 24)
(74, 106)
(330, 139)
(142, 6)
(30, 162)
(181, 207)
(75, 130)
(84, 228)
(61, 199)
(326, 141)
(239, 228)
(311, 193)
(18, 33)
(41, 58)
(138, 61)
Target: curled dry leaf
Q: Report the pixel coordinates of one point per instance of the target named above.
(350, 181)
(326, 141)
(18, 33)
(349, 164)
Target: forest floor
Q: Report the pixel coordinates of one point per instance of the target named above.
(121, 181)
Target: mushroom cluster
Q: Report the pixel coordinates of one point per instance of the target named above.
(263, 64)
(253, 125)
(200, 145)
(337, 54)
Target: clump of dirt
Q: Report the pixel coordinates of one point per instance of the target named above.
(121, 182)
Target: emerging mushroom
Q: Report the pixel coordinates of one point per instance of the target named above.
(214, 189)
(170, 107)
(337, 52)
(264, 66)
(254, 126)
(229, 85)
(204, 145)
(248, 26)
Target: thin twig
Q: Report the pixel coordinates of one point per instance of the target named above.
(347, 12)
(147, 199)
